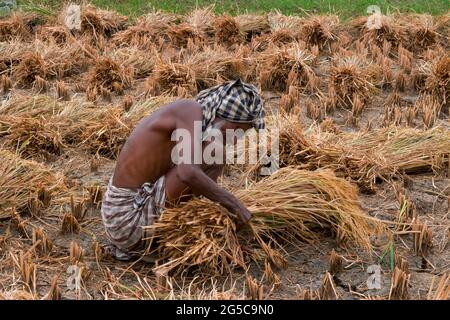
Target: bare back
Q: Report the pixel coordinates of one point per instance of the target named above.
(146, 155)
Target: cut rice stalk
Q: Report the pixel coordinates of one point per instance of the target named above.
(290, 205)
(276, 67)
(399, 285)
(19, 178)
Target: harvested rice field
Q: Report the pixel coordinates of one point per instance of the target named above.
(359, 208)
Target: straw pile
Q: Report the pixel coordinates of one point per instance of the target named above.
(291, 66)
(365, 156)
(181, 34)
(145, 108)
(18, 26)
(46, 61)
(277, 38)
(20, 179)
(31, 66)
(10, 53)
(421, 31)
(109, 74)
(107, 136)
(320, 31)
(350, 80)
(100, 23)
(437, 82)
(32, 136)
(252, 25)
(98, 130)
(227, 31)
(172, 79)
(202, 19)
(380, 30)
(30, 106)
(141, 61)
(213, 66)
(278, 21)
(148, 30)
(290, 205)
(54, 34)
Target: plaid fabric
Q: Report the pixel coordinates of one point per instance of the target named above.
(234, 101)
(124, 213)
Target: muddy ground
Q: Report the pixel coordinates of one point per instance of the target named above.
(106, 278)
(307, 262)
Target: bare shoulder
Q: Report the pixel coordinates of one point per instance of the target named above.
(186, 109)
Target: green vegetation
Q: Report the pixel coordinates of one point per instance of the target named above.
(345, 8)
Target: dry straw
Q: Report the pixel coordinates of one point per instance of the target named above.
(21, 178)
(365, 156)
(109, 74)
(227, 31)
(147, 30)
(17, 26)
(278, 69)
(351, 78)
(320, 31)
(288, 206)
(380, 30)
(97, 23)
(32, 136)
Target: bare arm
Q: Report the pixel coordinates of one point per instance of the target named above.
(192, 174)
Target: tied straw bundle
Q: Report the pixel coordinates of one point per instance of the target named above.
(288, 206)
(365, 156)
(20, 179)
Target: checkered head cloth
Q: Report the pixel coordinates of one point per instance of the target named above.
(234, 101)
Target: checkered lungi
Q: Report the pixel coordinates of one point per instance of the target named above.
(125, 211)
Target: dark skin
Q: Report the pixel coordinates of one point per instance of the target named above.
(146, 156)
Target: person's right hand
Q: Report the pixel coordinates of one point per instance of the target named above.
(243, 214)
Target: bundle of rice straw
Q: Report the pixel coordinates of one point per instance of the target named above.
(421, 31)
(278, 21)
(214, 65)
(290, 205)
(50, 60)
(148, 29)
(31, 136)
(442, 28)
(364, 156)
(181, 34)
(172, 79)
(278, 69)
(141, 61)
(320, 31)
(31, 66)
(202, 19)
(252, 25)
(105, 136)
(10, 53)
(276, 38)
(109, 74)
(378, 29)
(55, 34)
(437, 82)
(19, 179)
(30, 106)
(100, 23)
(350, 79)
(227, 31)
(100, 131)
(145, 108)
(18, 26)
